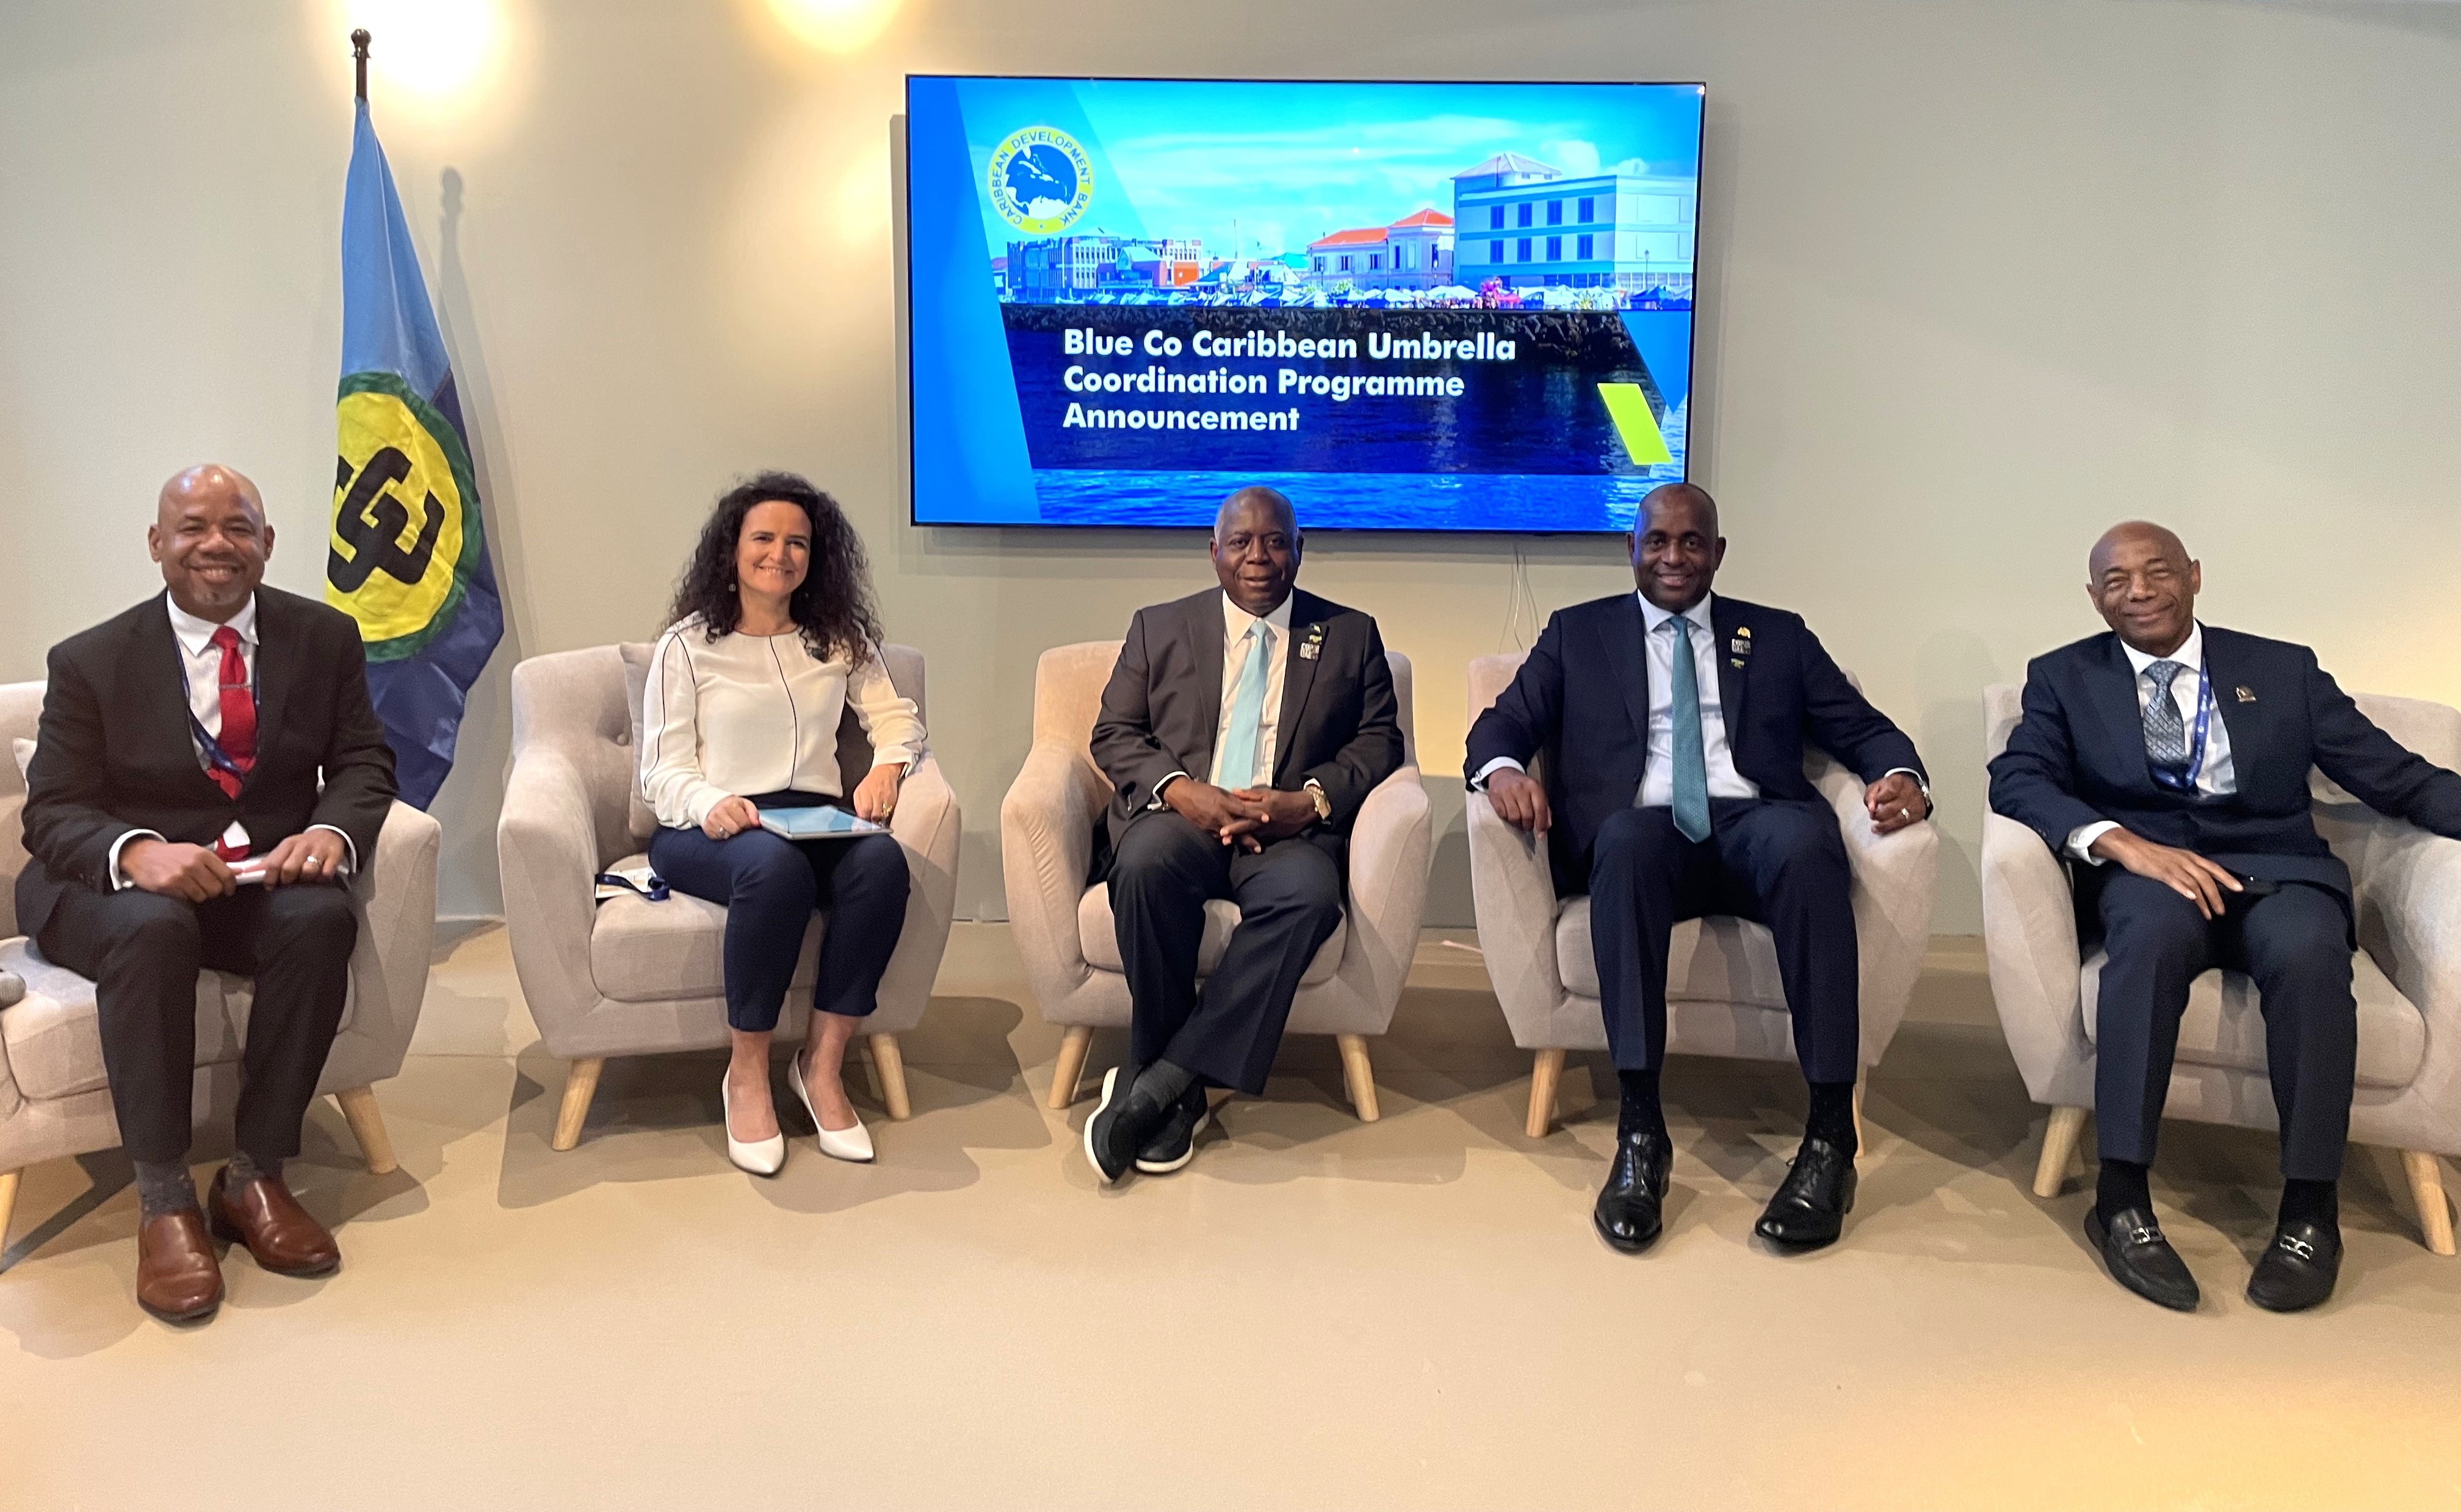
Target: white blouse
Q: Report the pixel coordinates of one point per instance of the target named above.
(756, 713)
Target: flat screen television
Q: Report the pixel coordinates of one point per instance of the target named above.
(1409, 306)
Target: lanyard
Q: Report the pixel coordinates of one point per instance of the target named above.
(2172, 777)
(215, 756)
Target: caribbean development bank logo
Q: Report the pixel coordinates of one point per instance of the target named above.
(406, 532)
(1040, 181)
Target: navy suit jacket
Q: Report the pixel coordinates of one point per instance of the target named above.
(1582, 701)
(2077, 756)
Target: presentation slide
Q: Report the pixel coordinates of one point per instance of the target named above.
(1408, 306)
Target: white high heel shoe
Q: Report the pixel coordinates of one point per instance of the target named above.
(760, 1157)
(845, 1145)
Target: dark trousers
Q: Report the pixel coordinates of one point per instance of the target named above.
(144, 951)
(770, 887)
(1777, 862)
(2296, 944)
(1290, 902)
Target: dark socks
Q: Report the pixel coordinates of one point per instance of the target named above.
(165, 1186)
(2122, 1185)
(1831, 1117)
(245, 1167)
(1642, 1112)
(1164, 1082)
(2317, 1203)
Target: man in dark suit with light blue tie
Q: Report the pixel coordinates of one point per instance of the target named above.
(1242, 730)
(2169, 761)
(1673, 724)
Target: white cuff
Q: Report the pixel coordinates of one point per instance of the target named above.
(119, 883)
(1477, 783)
(900, 758)
(2082, 837)
(1167, 781)
(349, 850)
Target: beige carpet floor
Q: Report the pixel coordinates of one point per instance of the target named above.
(1316, 1313)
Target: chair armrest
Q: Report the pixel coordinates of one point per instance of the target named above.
(1391, 846)
(2407, 889)
(1512, 893)
(1895, 883)
(394, 896)
(547, 845)
(2029, 938)
(928, 824)
(1046, 847)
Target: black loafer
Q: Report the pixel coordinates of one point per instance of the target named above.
(1174, 1145)
(2142, 1259)
(1810, 1206)
(2297, 1269)
(1630, 1207)
(1122, 1123)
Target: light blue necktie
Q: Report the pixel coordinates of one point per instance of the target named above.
(1247, 712)
(1691, 758)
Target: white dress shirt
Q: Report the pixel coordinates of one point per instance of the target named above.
(2217, 778)
(201, 663)
(758, 714)
(1236, 647)
(1657, 765)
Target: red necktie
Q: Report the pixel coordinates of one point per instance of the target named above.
(238, 738)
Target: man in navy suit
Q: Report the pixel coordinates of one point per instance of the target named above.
(1673, 725)
(2170, 760)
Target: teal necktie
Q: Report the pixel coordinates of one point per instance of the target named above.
(1247, 712)
(1691, 759)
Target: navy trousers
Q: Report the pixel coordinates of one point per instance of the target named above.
(1778, 863)
(2296, 944)
(770, 887)
(1290, 901)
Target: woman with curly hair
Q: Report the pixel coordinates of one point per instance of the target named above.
(772, 636)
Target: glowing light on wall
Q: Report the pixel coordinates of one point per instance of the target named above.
(833, 26)
(434, 50)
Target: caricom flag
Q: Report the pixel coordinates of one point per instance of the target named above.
(408, 558)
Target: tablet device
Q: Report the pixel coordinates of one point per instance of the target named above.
(827, 821)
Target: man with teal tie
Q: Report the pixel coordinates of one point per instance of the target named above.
(1673, 724)
(1242, 729)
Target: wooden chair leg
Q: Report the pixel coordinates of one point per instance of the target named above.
(1860, 1142)
(889, 1071)
(2059, 1150)
(580, 1085)
(1070, 1068)
(367, 1126)
(1359, 1076)
(1546, 1074)
(2426, 1190)
(8, 1204)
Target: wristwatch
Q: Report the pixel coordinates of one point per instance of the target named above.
(1323, 804)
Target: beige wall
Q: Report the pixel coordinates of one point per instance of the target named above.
(1977, 278)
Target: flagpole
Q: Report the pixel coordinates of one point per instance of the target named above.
(359, 55)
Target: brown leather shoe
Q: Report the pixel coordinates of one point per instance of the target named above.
(264, 1216)
(177, 1279)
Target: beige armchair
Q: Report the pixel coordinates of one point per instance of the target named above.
(1063, 928)
(631, 977)
(54, 1100)
(1723, 993)
(2407, 975)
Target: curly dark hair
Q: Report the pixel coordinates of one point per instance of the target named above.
(832, 605)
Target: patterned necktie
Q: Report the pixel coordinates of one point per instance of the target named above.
(2166, 734)
(237, 736)
(1247, 712)
(1691, 758)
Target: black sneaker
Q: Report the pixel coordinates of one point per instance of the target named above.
(1174, 1145)
(1121, 1124)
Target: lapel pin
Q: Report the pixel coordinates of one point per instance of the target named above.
(1314, 646)
(1743, 631)
(1736, 662)
(2245, 694)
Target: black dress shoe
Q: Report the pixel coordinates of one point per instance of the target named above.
(2141, 1260)
(1810, 1208)
(1628, 1214)
(2297, 1269)
(1122, 1123)
(1174, 1145)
